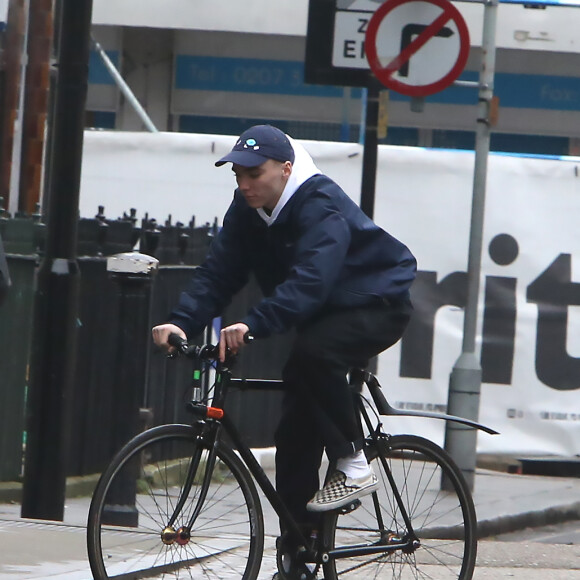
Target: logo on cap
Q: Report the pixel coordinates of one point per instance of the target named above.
(251, 143)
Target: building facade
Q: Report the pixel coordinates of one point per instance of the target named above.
(220, 66)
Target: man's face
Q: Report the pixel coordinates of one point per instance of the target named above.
(263, 185)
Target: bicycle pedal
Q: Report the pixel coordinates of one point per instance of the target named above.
(349, 507)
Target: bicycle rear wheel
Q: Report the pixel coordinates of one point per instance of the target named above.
(130, 532)
(444, 521)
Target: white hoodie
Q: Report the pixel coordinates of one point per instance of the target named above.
(303, 169)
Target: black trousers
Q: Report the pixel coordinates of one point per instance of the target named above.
(318, 411)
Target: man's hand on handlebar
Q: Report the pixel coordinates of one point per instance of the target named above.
(161, 334)
(233, 337)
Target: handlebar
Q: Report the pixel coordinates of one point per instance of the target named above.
(207, 352)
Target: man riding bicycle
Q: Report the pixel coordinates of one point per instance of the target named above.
(326, 270)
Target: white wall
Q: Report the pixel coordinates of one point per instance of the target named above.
(272, 17)
(553, 29)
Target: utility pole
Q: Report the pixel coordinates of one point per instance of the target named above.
(465, 379)
(35, 104)
(56, 302)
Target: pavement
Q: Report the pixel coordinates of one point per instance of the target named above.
(505, 500)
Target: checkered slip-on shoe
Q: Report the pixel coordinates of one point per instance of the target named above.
(340, 490)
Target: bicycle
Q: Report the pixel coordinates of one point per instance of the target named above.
(178, 502)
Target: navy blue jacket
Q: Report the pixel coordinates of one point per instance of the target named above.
(322, 251)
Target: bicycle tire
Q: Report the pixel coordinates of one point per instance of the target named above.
(444, 521)
(137, 494)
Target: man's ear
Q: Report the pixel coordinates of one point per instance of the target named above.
(287, 169)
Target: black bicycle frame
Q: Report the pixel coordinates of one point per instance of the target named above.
(211, 435)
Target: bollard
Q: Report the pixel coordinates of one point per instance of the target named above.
(133, 273)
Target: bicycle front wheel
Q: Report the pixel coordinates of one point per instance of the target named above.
(439, 506)
(140, 519)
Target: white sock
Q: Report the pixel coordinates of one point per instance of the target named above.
(354, 466)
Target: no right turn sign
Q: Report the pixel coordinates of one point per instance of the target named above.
(417, 47)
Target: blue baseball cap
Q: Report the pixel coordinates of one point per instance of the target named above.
(258, 144)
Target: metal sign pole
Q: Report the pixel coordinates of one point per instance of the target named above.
(370, 151)
(465, 379)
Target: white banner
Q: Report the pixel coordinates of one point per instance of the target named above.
(530, 285)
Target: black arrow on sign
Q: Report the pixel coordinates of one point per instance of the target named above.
(409, 32)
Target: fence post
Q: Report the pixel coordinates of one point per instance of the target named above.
(133, 273)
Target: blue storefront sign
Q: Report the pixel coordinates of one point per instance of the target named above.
(205, 73)
(518, 91)
(245, 75)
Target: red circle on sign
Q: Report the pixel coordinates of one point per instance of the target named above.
(384, 73)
